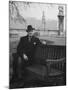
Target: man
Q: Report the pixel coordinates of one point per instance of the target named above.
(26, 50)
(27, 45)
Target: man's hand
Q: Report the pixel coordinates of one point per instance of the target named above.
(25, 57)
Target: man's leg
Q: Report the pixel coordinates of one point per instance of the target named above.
(15, 66)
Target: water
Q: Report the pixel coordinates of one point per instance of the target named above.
(58, 40)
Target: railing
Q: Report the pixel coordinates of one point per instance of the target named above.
(51, 52)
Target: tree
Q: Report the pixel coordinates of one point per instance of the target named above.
(14, 13)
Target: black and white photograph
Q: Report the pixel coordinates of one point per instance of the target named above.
(37, 44)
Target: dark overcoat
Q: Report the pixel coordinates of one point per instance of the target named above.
(28, 47)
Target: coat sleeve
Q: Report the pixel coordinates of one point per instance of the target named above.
(38, 41)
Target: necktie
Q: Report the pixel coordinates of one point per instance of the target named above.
(29, 39)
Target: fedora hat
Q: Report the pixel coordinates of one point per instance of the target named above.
(29, 28)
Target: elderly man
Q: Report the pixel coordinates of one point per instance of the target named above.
(26, 50)
(27, 45)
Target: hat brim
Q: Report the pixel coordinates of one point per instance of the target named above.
(28, 30)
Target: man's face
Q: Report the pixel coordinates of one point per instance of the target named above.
(30, 33)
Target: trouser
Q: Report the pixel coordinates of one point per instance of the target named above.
(15, 66)
(19, 66)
